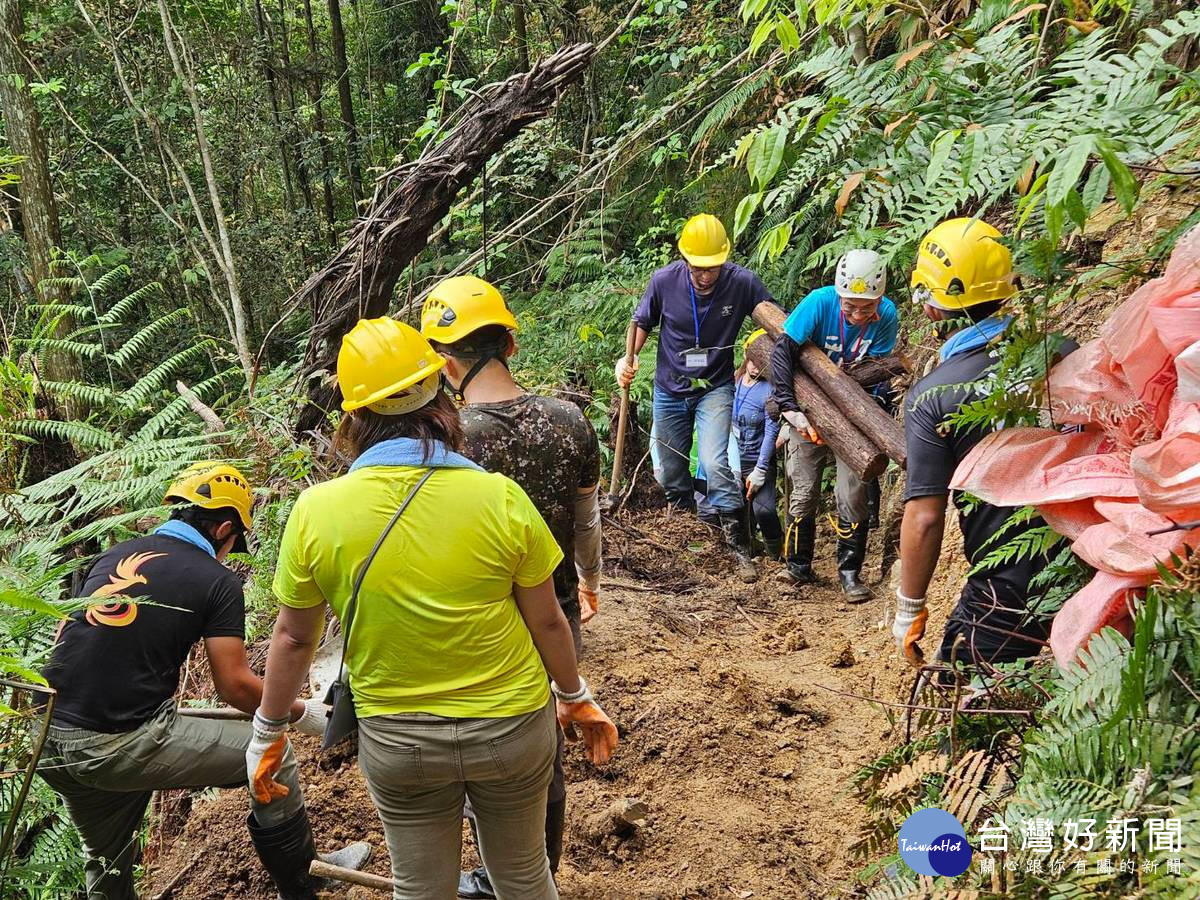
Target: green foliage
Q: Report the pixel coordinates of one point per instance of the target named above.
(908, 139)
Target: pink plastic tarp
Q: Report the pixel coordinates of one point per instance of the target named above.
(1134, 469)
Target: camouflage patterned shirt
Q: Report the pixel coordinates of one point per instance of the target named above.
(548, 447)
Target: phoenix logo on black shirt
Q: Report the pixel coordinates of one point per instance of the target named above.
(120, 613)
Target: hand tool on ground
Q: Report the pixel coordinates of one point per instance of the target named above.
(320, 869)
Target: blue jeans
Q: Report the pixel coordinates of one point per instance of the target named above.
(709, 414)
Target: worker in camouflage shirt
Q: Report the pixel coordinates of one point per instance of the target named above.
(543, 444)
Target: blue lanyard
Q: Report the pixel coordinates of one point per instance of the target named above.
(850, 357)
(696, 319)
(739, 398)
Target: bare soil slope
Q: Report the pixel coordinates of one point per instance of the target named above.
(734, 735)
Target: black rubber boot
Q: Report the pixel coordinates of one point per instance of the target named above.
(738, 541)
(287, 850)
(556, 823)
(874, 497)
(798, 552)
(773, 548)
(851, 550)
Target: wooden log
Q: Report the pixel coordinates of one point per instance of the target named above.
(409, 201)
(848, 443)
(843, 391)
(877, 369)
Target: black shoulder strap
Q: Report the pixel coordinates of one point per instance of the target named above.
(353, 604)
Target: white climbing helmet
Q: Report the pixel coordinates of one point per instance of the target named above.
(861, 273)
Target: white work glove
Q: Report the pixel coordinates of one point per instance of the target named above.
(264, 758)
(909, 627)
(625, 371)
(755, 480)
(800, 422)
(316, 715)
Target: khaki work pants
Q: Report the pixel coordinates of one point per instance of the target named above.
(106, 781)
(420, 768)
(805, 463)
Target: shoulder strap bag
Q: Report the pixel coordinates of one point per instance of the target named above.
(342, 720)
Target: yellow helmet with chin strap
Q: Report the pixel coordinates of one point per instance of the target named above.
(387, 367)
(461, 305)
(213, 485)
(962, 263)
(703, 241)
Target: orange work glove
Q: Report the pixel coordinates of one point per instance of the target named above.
(800, 422)
(580, 714)
(909, 627)
(589, 603)
(264, 758)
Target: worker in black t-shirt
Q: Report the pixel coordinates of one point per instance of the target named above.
(115, 736)
(963, 275)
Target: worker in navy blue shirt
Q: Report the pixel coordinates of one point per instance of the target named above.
(848, 320)
(699, 303)
(755, 432)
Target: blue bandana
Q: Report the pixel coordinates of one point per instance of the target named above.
(974, 336)
(411, 452)
(183, 531)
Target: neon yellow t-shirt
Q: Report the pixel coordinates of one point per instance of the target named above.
(437, 629)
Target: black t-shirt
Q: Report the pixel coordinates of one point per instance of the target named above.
(935, 449)
(115, 664)
(548, 447)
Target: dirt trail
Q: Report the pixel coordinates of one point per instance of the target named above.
(728, 737)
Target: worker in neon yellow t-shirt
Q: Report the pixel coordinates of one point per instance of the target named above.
(455, 628)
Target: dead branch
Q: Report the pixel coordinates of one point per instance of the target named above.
(409, 200)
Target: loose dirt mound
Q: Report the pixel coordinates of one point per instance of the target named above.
(733, 736)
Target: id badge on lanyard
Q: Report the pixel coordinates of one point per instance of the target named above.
(697, 357)
(850, 357)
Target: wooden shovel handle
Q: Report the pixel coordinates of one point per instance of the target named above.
(320, 869)
(623, 414)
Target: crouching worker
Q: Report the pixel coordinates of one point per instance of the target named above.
(847, 320)
(962, 277)
(116, 737)
(451, 635)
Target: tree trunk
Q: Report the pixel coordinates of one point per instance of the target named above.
(268, 69)
(519, 32)
(181, 63)
(314, 95)
(844, 392)
(345, 102)
(293, 120)
(409, 201)
(877, 369)
(39, 209)
(848, 443)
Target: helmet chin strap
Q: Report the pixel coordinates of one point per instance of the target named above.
(459, 392)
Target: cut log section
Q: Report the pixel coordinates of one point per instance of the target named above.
(848, 443)
(877, 369)
(842, 391)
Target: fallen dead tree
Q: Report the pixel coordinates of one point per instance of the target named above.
(848, 418)
(408, 202)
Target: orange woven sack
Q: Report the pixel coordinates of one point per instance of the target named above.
(1135, 467)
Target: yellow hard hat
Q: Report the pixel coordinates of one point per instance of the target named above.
(213, 485)
(752, 337)
(382, 358)
(962, 263)
(461, 305)
(703, 241)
